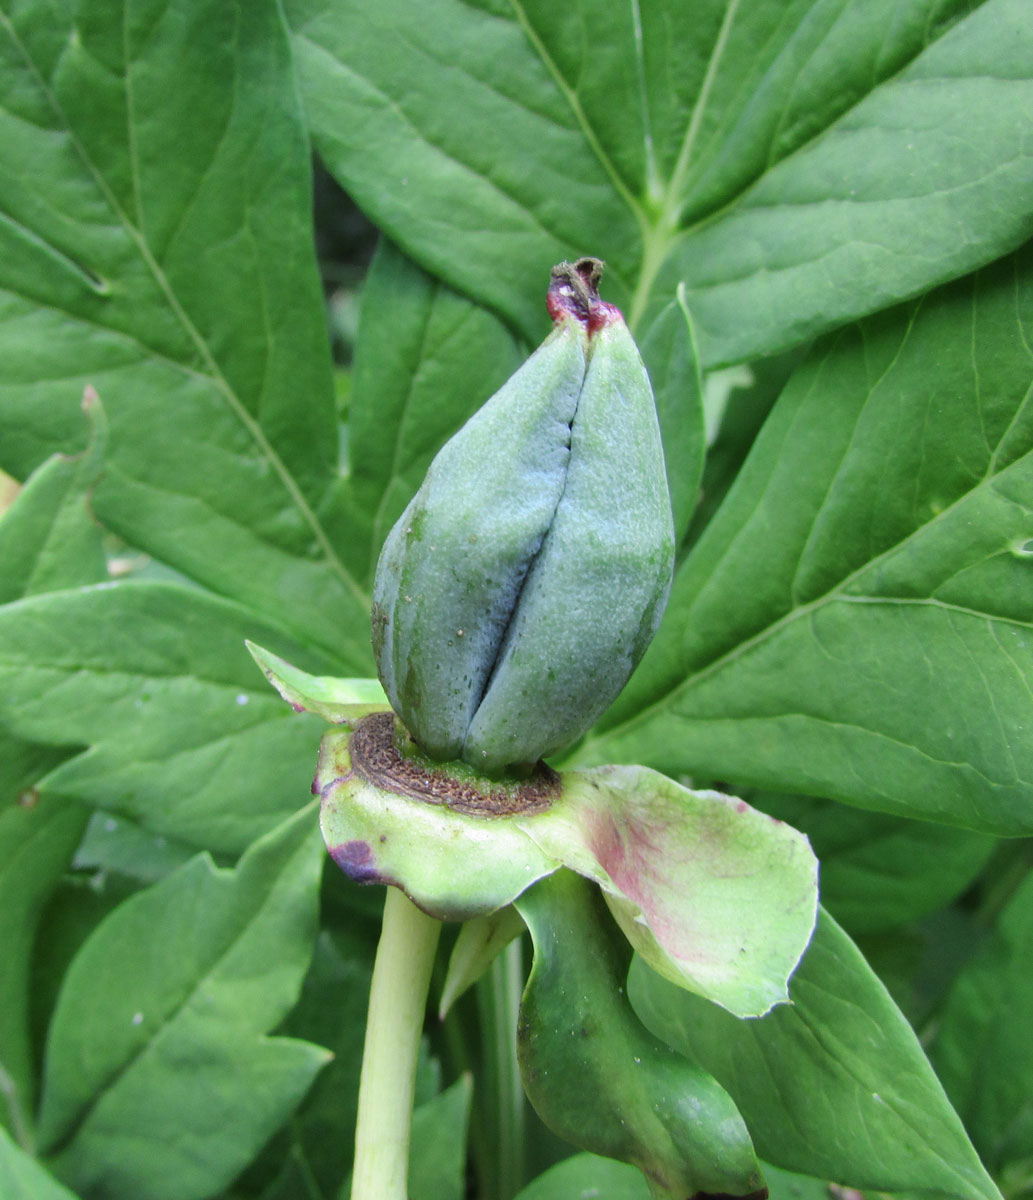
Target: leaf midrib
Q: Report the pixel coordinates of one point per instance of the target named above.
(664, 234)
(213, 372)
(583, 123)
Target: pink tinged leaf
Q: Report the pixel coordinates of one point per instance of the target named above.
(451, 864)
(716, 896)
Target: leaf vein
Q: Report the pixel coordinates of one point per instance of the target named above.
(212, 368)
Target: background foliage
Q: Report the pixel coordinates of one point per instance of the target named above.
(836, 193)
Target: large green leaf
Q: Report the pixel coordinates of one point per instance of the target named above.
(982, 1048)
(594, 1074)
(880, 872)
(832, 202)
(160, 1081)
(855, 621)
(833, 1085)
(793, 164)
(155, 242)
(183, 732)
(314, 1149)
(36, 844)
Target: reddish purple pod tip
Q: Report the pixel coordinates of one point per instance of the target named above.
(602, 314)
(574, 289)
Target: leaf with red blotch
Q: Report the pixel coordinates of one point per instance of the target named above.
(716, 896)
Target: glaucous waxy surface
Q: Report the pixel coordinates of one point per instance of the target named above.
(596, 591)
(452, 568)
(521, 586)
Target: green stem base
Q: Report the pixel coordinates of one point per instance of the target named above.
(397, 1004)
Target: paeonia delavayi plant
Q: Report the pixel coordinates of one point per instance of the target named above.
(815, 215)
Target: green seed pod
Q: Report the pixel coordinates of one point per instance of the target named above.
(521, 586)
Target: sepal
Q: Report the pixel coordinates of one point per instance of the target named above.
(339, 701)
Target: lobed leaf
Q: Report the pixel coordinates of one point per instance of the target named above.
(312, 1149)
(915, 183)
(160, 1080)
(156, 244)
(854, 622)
(154, 680)
(793, 165)
(982, 1048)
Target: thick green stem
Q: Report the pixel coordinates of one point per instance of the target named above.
(397, 1003)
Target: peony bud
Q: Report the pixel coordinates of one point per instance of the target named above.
(522, 584)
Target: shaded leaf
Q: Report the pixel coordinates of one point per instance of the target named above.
(835, 1084)
(672, 359)
(316, 1146)
(855, 621)
(587, 1175)
(597, 1078)
(982, 1048)
(22, 765)
(737, 400)
(36, 846)
(113, 844)
(160, 1080)
(880, 872)
(785, 1185)
(437, 1160)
